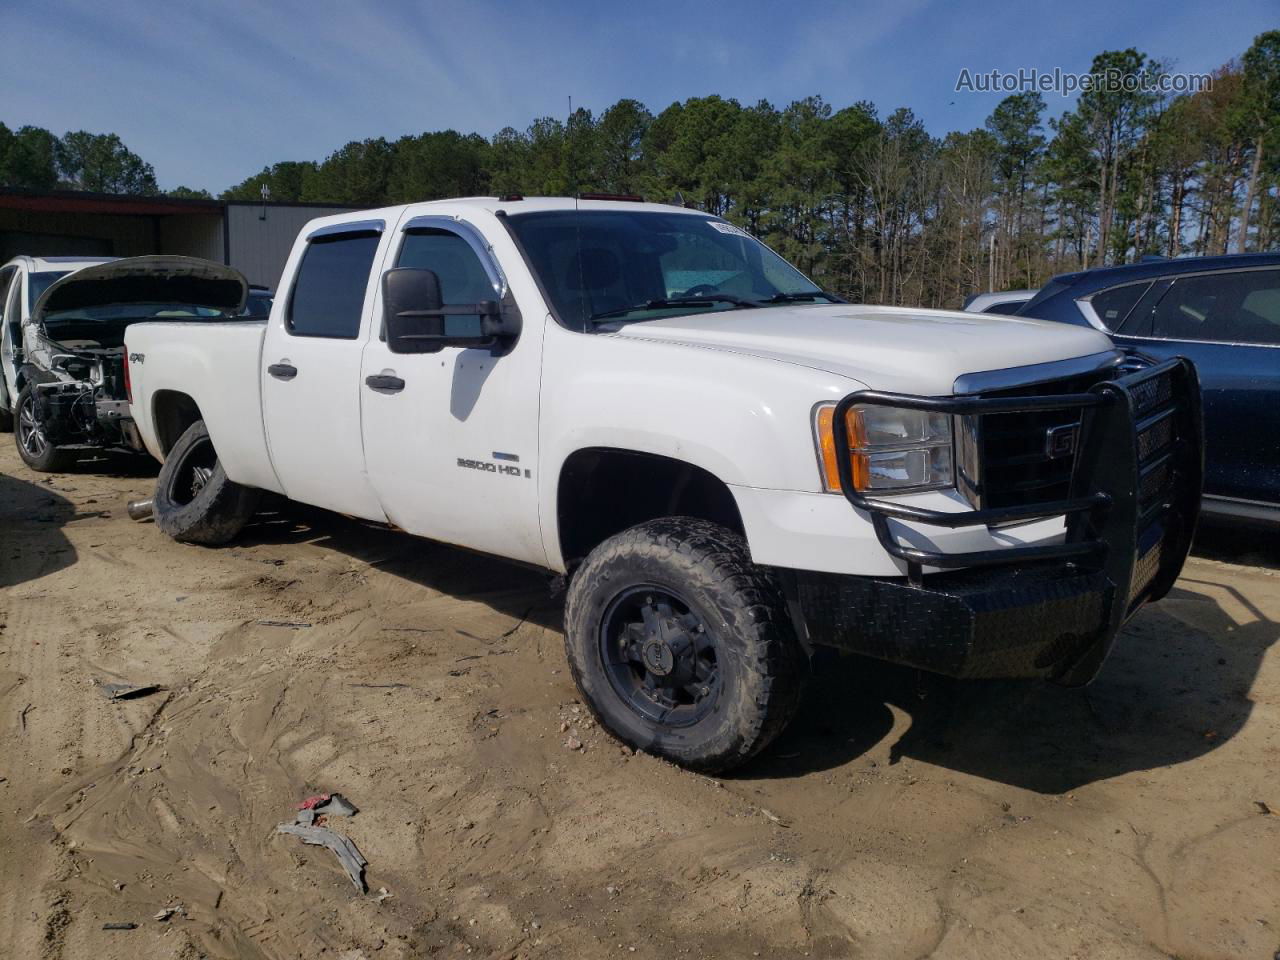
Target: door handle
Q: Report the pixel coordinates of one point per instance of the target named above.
(283, 371)
(384, 383)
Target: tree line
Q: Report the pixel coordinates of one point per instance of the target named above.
(873, 207)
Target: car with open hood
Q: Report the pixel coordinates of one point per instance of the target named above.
(22, 280)
(70, 379)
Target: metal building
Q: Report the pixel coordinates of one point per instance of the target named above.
(255, 238)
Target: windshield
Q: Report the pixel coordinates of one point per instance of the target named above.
(607, 266)
(38, 283)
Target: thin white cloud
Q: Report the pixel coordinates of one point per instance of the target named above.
(212, 92)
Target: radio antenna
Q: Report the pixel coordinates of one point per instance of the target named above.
(577, 220)
(573, 164)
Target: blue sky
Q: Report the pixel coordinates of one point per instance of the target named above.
(211, 92)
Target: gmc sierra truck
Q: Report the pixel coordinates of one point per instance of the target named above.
(728, 464)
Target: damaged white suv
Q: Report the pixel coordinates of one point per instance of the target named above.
(64, 387)
(727, 463)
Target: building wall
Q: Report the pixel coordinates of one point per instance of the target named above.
(260, 246)
(192, 236)
(255, 244)
(42, 233)
(74, 234)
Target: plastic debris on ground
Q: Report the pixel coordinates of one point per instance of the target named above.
(126, 691)
(306, 829)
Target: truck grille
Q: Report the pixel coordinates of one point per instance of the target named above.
(1013, 459)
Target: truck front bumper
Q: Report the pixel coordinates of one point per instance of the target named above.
(1050, 610)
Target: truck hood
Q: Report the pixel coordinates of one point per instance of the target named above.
(900, 349)
(185, 280)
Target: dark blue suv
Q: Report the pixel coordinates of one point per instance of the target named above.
(1224, 314)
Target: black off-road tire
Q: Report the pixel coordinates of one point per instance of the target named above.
(194, 500)
(33, 446)
(760, 667)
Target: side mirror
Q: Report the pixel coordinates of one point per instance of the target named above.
(417, 321)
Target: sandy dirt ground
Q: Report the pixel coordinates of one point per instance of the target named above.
(900, 816)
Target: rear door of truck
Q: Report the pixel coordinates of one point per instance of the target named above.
(311, 367)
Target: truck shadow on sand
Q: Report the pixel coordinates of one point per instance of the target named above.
(1175, 687)
(506, 587)
(32, 544)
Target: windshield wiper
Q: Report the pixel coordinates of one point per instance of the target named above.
(802, 297)
(704, 300)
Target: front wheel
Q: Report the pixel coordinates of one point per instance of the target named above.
(681, 645)
(34, 446)
(194, 500)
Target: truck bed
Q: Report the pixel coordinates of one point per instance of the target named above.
(216, 364)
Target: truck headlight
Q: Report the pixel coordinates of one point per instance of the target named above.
(890, 448)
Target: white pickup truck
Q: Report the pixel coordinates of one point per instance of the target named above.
(728, 464)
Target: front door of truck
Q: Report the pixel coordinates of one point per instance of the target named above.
(450, 438)
(311, 389)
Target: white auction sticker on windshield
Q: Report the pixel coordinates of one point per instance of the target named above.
(728, 228)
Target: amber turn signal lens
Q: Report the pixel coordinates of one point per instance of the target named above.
(827, 449)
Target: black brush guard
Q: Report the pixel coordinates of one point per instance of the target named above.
(1044, 610)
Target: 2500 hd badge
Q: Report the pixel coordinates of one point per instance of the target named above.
(489, 466)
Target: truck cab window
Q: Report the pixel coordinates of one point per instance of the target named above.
(328, 295)
(1237, 307)
(462, 277)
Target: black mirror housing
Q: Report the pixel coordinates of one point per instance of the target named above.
(416, 320)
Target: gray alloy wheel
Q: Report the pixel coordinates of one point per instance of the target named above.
(32, 442)
(30, 434)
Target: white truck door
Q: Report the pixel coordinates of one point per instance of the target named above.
(311, 388)
(450, 438)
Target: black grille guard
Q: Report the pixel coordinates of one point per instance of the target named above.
(1125, 499)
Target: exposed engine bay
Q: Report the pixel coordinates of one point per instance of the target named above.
(74, 352)
(82, 398)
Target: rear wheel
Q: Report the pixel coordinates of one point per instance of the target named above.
(194, 500)
(681, 645)
(33, 444)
